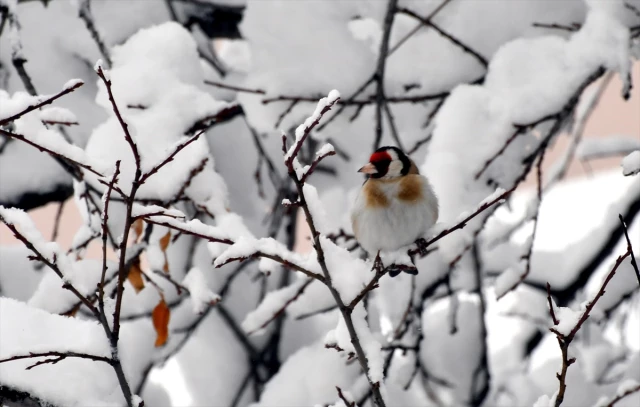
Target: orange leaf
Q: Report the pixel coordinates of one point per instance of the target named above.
(137, 229)
(165, 268)
(160, 316)
(73, 311)
(135, 276)
(164, 241)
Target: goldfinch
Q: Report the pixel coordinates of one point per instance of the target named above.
(395, 206)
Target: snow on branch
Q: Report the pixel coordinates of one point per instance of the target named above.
(7, 110)
(58, 147)
(625, 389)
(172, 152)
(604, 147)
(493, 199)
(512, 277)
(324, 105)
(567, 323)
(631, 164)
(47, 252)
(326, 151)
(273, 305)
(125, 127)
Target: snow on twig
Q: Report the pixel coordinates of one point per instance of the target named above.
(40, 101)
(567, 323)
(55, 357)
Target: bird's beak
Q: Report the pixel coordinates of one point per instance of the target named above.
(369, 169)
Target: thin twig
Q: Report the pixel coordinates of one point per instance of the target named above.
(564, 340)
(66, 162)
(426, 21)
(44, 102)
(51, 264)
(419, 26)
(56, 221)
(57, 357)
(392, 125)
(380, 69)
(105, 227)
(526, 257)
(234, 87)
(630, 248)
(170, 156)
(84, 12)
(624, 394)
(281, 310)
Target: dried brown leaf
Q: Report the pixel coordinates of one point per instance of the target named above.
(137, 228)
(164, 242)
(160, 316)
(135, 276)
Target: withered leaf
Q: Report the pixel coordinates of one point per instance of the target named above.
(137, 227)
(135, 276)
(164, 241)
(160, 316)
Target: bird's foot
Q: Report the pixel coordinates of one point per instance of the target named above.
(422, 246)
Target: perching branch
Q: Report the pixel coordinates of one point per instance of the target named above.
(291, 155)
(462, 223)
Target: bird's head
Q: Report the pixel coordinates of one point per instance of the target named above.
(389, 162)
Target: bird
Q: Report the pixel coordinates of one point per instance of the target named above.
(395, 206)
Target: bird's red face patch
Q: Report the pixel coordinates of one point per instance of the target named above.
(379, 156)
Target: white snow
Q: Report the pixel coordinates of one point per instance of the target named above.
(200, 295)
(158, 68)
(49, 250)
(349, 274)
(57, 115)
(546, 401)
(370, 344)
(325, 149)
(245, 247)
(154, 211)
(309, 377)
(272, 303)
(20, 101)
(567, 318)
(509, 278)
(70, 382)
(72, 83)
(594, 147)
(333, 96)
(316, 208)
(631, 163)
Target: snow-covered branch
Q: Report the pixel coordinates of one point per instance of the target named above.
(567, 323)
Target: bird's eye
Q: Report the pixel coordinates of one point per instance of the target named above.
(382, 166)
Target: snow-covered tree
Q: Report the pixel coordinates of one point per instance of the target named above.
(204, 141)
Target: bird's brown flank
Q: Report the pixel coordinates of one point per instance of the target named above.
(409, 191)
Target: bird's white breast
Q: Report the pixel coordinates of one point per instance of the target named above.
(396, 225)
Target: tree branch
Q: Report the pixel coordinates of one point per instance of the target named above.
(48, 100)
